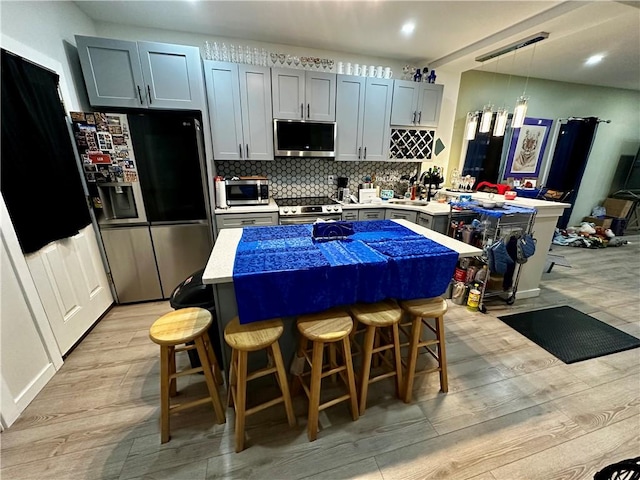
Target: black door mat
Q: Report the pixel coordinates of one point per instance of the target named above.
(570, 335)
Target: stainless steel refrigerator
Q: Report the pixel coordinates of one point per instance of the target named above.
(146, 174)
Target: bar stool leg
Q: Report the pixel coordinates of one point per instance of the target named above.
(173, 383)
(217, 372)
(241, 399)
(315, 385)
(284, 385)
(351, 378)
(369, 340)
(416, 334)
(165, 365)
(442, 355)
(398, 359)
(211, 382)
(233, 377)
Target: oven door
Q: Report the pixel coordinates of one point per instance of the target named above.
(299, 220)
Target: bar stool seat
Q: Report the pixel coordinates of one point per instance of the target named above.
(326, 328)
(376, 317)
(174, 329)
(420, 310)
(247, 338)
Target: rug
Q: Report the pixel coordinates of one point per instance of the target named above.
(570, 335)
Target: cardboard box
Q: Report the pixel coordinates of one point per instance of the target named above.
(617, 207)
(604, 222)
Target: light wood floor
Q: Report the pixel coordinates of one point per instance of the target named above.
(513, 410)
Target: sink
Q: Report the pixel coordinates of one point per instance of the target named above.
(399, 201)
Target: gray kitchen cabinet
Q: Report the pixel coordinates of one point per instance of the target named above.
(438, 223)
(401, 214)
(416, 103)
(303, 95)
(371, 214)
(121, 73)
(351, 214)
(239, 99)
(234, 220)
(363, 112)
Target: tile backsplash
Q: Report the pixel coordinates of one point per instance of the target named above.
(307, 177)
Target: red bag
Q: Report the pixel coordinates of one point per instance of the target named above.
(492, 188)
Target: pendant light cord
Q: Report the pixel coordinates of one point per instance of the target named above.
(526, 83)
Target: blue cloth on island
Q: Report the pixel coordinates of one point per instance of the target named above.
(474, 206)
(283, 271)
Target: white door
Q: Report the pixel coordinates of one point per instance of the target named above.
(377, 115)
(257, 119)
(349, 116)
(72, 285)
(288, 93)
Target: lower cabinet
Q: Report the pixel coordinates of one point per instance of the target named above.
(371, 214)
(245, 220)
(437, 223)
(350, 215)
(402, 214)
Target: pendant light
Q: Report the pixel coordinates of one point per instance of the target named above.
(501, 122)
(485, 121)
(521, 104)
(471, 126)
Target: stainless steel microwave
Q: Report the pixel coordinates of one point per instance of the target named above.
(294, 138)
(247, 191)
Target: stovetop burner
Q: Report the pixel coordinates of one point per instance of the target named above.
(304, 201)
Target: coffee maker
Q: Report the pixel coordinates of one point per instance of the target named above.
(343, 189)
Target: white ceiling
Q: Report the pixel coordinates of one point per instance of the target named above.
(449, 34)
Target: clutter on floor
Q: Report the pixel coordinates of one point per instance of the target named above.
(587, 235)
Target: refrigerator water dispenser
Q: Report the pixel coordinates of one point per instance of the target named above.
(118, 200)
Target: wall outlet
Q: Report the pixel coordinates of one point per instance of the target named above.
(331, 179)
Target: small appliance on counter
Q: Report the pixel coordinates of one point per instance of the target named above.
(343, 189)
(367, 195)
(247, 191)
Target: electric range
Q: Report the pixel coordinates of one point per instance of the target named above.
(308, 209)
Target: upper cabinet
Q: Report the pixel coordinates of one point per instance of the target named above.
(363, 110)
(303, 95)
(416, 103)
(239, 98)
(141, 74)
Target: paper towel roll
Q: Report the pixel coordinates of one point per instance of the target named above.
(221, 193)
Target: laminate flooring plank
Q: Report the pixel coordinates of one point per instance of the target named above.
(345, 442)
(605, 404)
(448, 413)
(478, 449)
(102, 462)
(579, 458)
(366, 469)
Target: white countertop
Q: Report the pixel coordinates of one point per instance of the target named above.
(219, 268)
(271, 207)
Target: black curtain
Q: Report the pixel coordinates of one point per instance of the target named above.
(570, 160)
(40, 180)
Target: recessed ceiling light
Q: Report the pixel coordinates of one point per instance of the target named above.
(408, 28)
(593, 59)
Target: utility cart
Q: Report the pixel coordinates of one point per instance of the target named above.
(484, 227)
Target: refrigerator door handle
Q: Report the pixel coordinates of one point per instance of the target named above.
(203, 221)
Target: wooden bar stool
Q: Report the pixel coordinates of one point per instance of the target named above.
(326, 328)
(376, 317)
(247, 338)
(420, 310)
(178, 328)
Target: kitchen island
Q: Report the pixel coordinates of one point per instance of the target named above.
(220, 273)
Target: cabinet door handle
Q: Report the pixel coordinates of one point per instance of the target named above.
(248, 222)
(302, 110)
(365, 153)
(414, 118)
(308, 110)
(419, 116)
(247, 149)
(359, 152)
(140, 95)
(149, 92)
(240, 149)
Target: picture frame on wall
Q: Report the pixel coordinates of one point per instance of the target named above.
(527, 147)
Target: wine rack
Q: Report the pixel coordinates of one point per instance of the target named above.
(410, 144)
